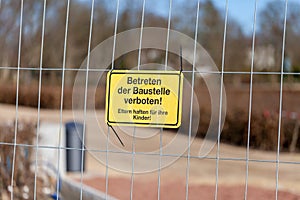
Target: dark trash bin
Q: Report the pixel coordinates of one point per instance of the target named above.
(74, 139)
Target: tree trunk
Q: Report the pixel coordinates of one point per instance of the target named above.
(295, 137)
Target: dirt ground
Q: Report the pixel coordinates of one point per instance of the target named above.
(202, 172)
(176, 190)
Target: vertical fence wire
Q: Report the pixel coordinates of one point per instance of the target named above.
(191, 105)
(221, 100)
(112, 67)
(39, 101)
(17, 102)
(85, 98)
(161, 129)
(280, 98)
(115, 36)
(134, 128)
(141, 34)
(62, 101)
(250, 100)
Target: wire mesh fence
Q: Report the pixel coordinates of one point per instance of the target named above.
(240, 112)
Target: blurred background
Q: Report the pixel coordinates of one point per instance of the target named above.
(271, 68)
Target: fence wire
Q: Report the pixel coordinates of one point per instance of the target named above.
(133, 152)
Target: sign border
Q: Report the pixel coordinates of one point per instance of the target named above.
(179, 109)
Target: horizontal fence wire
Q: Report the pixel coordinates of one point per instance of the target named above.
(184, 71)
(225, 158)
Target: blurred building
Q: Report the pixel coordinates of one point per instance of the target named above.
(264, 57)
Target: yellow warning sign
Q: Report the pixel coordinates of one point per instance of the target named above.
(144, 98)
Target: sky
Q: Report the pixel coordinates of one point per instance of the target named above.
(240, 10)
(243, 10)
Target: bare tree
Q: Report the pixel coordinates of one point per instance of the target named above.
(211, 32)
(9, 17)
(272, 27)
(31, 34)
(211, 29)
